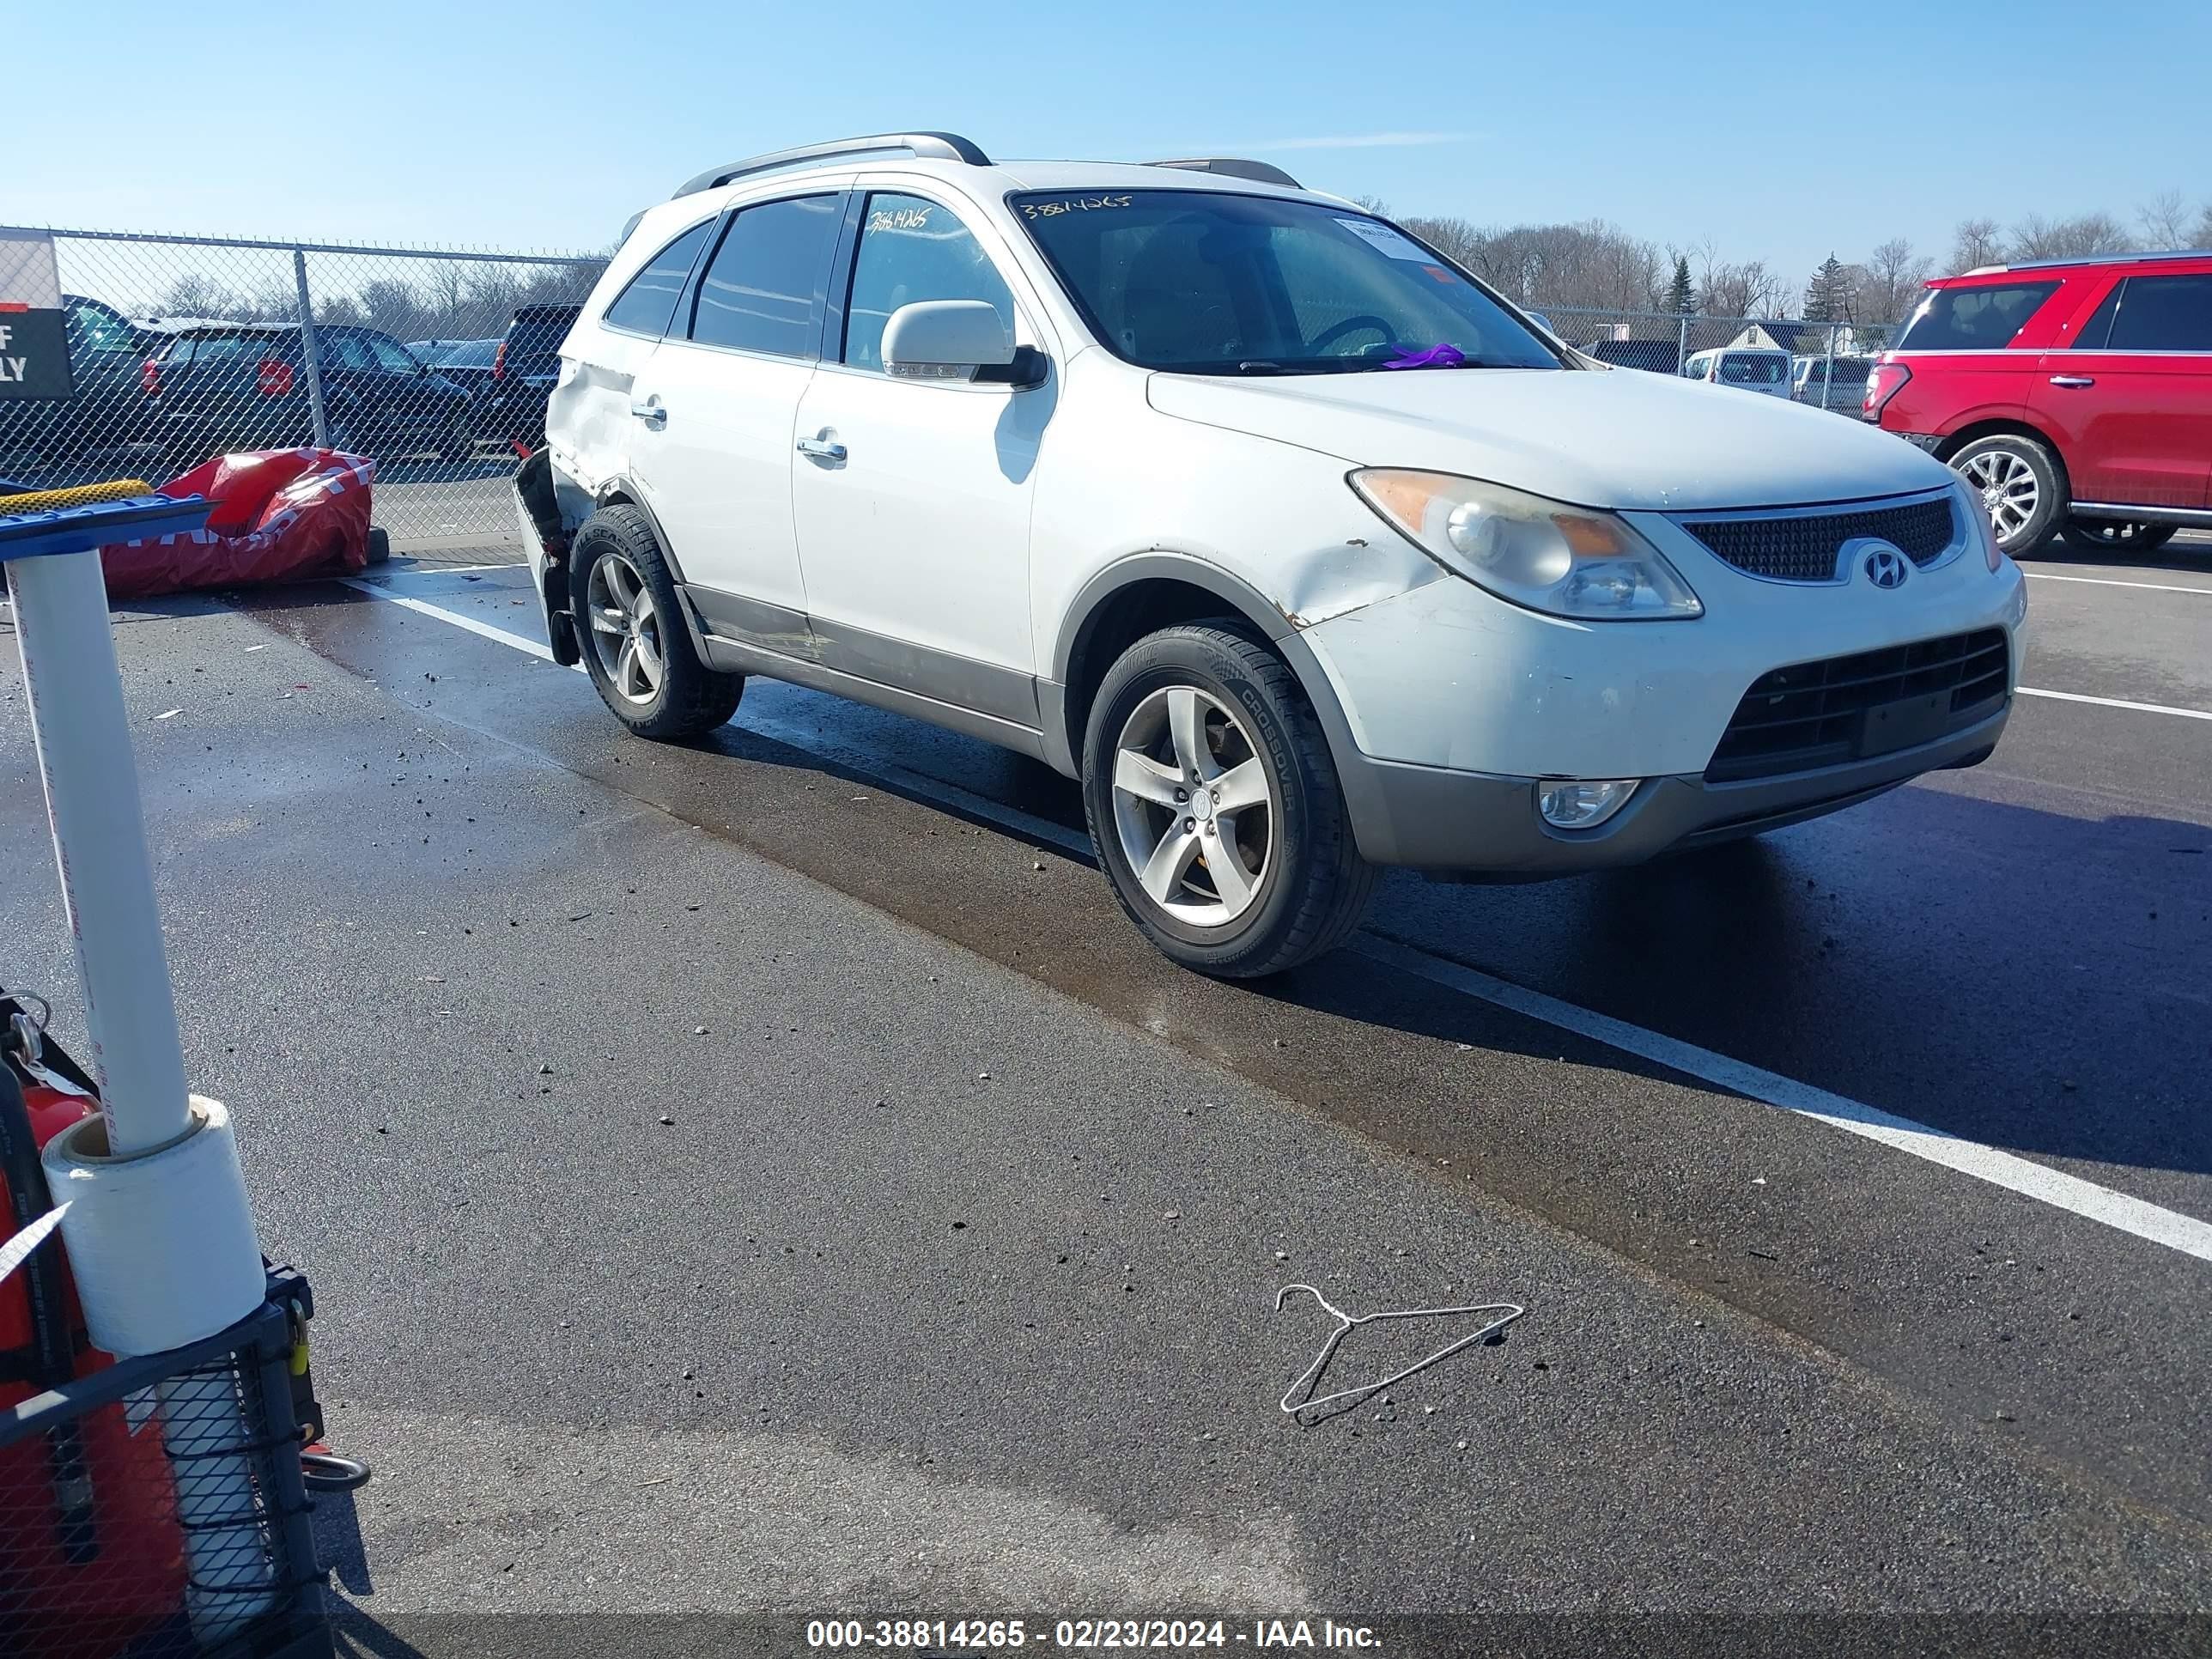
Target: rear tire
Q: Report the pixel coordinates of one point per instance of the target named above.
(1262, 873)
(2117, 535)
(630, 623)
(380, 544)
(2022, 485)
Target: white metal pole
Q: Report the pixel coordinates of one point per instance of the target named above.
(84, 741)
(311, 352)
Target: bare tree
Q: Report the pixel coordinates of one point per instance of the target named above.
(1593, 264)
(1894, 274)
(197, 295)
(1738, 288)
(2201, 236)
(1976, 242)
(2082, 237)
(2163, 220)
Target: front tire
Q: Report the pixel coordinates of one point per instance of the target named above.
(2022, 485)
(629, 621)
(1215, 808)
(2117, 535)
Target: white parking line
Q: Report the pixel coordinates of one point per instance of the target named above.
(2115, 1209)
(2038, 1181)
(2116, 702)
(520, 642)
(2108, 582)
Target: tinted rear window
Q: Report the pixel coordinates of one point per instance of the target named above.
(1985, 317)
(650, 299)
(2164, 313)
(538, 337)
(1737, 369)
(207, 349)
(765, 289)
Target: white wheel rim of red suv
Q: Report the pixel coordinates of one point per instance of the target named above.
(2009, 489)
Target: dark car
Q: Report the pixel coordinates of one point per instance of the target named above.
(214, 388)
(467, 363)
(106, 350)
(528, 362)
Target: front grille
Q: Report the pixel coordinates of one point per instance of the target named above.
(1823, 714)
(1803, 547)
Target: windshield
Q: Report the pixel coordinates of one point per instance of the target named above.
(1208, 283)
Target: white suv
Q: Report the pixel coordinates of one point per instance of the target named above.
(1303, 551)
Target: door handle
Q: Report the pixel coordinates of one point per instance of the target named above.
(2072, 382)
(822, 449)
(654, 415)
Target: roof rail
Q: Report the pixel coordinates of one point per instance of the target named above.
(936, 146)
(2097, 259)
(1260, 173)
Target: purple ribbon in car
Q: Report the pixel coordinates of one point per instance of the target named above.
(1442, 356)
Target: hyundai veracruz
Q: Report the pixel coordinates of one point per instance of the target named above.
(1305, 552)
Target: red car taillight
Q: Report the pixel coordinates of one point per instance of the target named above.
(498, 362)
(149, 378)
(1883, 382)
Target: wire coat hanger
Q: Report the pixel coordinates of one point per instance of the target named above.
(1348, 1323)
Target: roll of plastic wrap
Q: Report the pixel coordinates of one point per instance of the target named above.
(162, 1244)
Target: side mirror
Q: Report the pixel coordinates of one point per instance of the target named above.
(945, 340)
(1542, 322)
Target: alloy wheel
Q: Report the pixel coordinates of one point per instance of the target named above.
(2009, 489)
(625, 628)
(1193, 807)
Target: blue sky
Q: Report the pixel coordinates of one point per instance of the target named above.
(1778, 131)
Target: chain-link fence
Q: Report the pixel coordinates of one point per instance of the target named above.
(1827, 361)
(434, 362)
(437, 362)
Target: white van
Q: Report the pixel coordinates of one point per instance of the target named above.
(1749, 368)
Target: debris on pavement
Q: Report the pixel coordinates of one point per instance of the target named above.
(1310, 1378)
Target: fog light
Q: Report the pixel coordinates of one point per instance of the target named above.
(1583, 803)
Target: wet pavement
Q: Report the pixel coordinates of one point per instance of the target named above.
(951, 1284)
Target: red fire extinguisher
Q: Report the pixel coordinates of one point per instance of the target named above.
(89, 1546)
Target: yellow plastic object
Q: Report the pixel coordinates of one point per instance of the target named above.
(56, 501)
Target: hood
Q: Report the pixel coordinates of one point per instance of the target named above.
(1618, 438)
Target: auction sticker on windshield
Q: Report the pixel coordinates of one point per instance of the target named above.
(1389, 241)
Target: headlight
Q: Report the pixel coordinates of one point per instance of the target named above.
(1550, 556)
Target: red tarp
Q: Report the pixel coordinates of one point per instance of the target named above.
(280, 515)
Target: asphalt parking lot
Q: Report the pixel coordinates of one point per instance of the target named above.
(770, 1178)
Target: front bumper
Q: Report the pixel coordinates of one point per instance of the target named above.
(1474, 824)
(1444, 705)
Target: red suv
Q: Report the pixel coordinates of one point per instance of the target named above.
(2076, 395)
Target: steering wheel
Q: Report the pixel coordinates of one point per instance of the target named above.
(1335, 331)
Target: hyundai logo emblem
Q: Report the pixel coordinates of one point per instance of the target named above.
(1884, 565)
